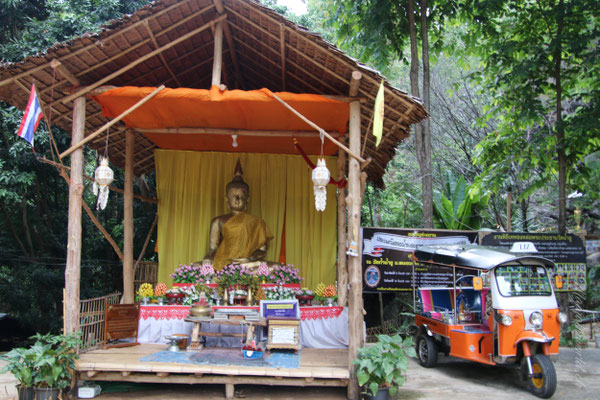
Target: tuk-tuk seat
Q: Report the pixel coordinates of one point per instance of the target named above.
(436, 300)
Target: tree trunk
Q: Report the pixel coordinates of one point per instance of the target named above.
(523, 204)
(425, 164)
(560, 129)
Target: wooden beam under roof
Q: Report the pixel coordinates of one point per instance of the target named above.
(239, 132)
(142, 59)
(282, 53)
(161, 55)
(94, 44)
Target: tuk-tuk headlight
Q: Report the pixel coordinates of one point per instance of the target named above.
(562, 317)
(537, 319)
(504, 319)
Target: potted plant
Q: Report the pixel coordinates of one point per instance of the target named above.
(381, 367)
(21, 366)
(45, 369)
(54, 362)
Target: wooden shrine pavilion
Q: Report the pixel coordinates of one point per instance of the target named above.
(216, 80)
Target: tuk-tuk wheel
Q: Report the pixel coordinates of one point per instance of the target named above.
(543, 382)
(427, 351)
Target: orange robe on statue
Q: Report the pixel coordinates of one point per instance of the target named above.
(242, 234)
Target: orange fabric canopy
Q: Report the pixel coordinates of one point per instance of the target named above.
(255, 110)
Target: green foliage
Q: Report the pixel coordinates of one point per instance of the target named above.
(384, 364)
(48, 363)
(57, 21)
(459, 205)
(535, 56)
(34, 197)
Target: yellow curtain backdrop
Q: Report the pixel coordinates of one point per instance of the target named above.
(310, 235)
(191, 191)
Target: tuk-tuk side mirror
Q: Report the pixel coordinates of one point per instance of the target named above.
(558, 280)
(477, 283)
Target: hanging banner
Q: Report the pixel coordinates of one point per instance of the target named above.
(568, 252)
(386, 255)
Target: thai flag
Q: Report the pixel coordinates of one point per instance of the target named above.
(31, 118)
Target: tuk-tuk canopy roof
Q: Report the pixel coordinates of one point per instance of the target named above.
(482, 258)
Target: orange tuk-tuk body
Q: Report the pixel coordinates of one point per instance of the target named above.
(499, 309)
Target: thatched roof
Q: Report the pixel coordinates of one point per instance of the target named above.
(261, 49)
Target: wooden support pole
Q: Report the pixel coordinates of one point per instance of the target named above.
(110, 123)
(342, 268)
(218, 55)
(318, 128)
(355, 307)
(282, 54)
(73, 267)
(128, 220)
(142, 59)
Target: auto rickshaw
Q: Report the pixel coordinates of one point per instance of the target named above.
(499, 309)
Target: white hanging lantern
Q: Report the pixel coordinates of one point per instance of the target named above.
(320, 178)
(103, 176)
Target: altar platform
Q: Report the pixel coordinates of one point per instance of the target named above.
(314, 367)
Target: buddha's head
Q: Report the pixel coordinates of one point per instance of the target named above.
(237, 191)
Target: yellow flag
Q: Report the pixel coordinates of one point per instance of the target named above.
(378, 115)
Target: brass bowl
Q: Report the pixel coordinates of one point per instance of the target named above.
(200, 311)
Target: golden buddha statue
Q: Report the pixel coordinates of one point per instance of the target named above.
(237, 237)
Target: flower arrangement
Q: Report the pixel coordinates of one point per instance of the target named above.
(280, 293)
(233, 275)
(304, 292)
(145, 290)
(322, 292)
(187, 274)
(283, 274)
(263, 271)
(207, 271)
(160, 289)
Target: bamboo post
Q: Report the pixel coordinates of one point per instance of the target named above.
(342, 269)
(355, 315)
(218, 55)
(101, 130)
(73, 267)
(128, 220)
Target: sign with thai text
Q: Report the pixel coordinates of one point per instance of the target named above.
(386, 256)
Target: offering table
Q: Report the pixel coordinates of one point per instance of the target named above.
(320, 327)
(198, 321)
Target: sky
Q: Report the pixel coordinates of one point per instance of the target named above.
(296, 6)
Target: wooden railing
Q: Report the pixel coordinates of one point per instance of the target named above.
(91, 320)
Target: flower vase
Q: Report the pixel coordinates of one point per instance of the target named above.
(207, 281)
(225, 296)
(249, 298)
(145, 301)
(329, 302)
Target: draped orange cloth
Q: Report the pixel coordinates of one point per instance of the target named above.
(242, 234)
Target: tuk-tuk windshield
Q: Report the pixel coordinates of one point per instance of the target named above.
(523, 280)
